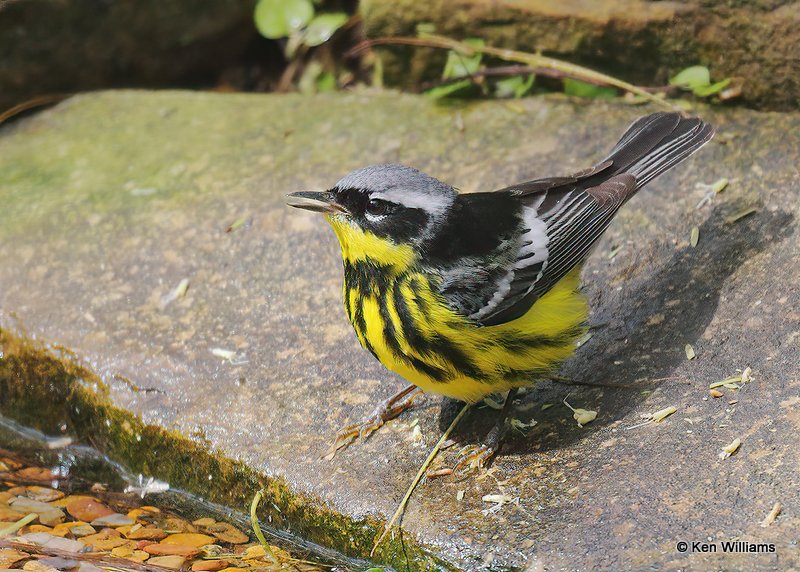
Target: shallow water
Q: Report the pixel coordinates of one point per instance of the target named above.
(78, 469)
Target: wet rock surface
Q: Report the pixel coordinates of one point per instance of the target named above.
(111, 200)
(642, 41)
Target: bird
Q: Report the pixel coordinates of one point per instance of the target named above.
(471, 294)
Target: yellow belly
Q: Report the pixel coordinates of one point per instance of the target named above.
(451, 356)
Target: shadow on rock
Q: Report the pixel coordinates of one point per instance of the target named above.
(638, 333)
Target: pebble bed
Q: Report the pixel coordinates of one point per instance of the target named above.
(43, 529)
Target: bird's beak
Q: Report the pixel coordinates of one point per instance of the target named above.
(321, 202)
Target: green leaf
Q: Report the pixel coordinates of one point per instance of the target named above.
(583, 89)
(326, 82)
(697, 79)
(515, 86)
(460, 65)
(279, 18)
(322, 27)
(449, 89)
(708, 90)
(692, 77)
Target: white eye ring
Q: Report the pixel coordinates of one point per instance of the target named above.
(374, 218)
(376, 209)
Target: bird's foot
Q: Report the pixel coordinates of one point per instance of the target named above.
(475, 457)
(472, 458)
(383, 412)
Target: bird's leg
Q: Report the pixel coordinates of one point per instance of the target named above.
(383, 412)
(474, 457)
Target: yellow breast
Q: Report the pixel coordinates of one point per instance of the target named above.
(401, 318)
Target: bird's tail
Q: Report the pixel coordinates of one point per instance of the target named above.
(656, 143)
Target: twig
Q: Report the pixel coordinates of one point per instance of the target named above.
(401, 508)
(102, 559)
(773, 514)
(504, 71)
(39, 101)
(532, 60)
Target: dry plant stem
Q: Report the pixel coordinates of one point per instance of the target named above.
(257, 529)
(532, 60)
(39, 101)
(514, 70)
(401, 508)
(11, 529)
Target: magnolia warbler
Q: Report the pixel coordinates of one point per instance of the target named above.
(470, 294)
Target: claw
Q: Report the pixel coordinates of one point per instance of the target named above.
(383, 412)
(360, 430)
(471, 458)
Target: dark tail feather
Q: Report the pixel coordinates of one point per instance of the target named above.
(656, 143)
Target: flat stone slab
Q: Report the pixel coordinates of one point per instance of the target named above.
(111, 200)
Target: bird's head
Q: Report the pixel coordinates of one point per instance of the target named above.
(381, 207)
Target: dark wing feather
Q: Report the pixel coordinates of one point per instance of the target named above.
(562, 217)
(539, 185)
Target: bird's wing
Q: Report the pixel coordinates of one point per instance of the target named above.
(562, 217)
(560, 222)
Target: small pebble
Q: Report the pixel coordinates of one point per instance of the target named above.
(114, 519)
(228, 533)
(174, 523)
(147, 533)
(43, 494)
(36, 528)
(60, 563)
(37, 566)
(189, 539)
(172, 562)
(82, 530)
(48, 515)
(35, 474)
(84, 508)
(130, 554)
(67, 528)
(256, 551)
(54, 542)
(172, 550)
(105, 540)
(8, 514)
(209, 565)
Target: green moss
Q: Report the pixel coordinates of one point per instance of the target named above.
(47, 390)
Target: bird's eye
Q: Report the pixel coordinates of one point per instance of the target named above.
(376, 207)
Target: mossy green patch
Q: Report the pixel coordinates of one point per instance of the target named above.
(48, 391)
